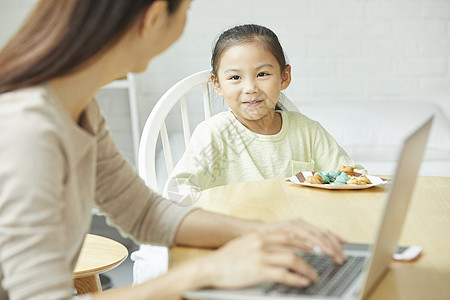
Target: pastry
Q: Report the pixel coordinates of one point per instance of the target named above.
(338, 177)
(326, 178)
(361, 180)
(364, 179)
(347, 169)
(342, 178)
(316, 179)
(354, 180)
(334, 174)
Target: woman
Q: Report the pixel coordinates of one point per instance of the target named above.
(58, 160)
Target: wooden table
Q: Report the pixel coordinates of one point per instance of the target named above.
(98, 255)
(353, 214)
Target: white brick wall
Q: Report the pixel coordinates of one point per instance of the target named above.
(12, 13)
(362, 50)
(358, 49)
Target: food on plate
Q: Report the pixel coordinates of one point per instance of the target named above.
(347, 169)
(326, 177)
(329, 176)
(341, 179)
(360, 180)
(343, 175)
(316, 179)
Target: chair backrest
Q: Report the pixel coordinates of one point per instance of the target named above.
(286, 104)
(155, 124)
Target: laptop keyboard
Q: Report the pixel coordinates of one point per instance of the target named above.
(333, 279)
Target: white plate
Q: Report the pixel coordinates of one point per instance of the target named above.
(300, 178)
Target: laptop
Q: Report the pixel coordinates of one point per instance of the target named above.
(364, 268)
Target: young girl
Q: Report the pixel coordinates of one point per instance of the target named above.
(253, 140)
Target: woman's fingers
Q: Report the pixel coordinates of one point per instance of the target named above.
(269, 255)
(290, 261)
(278, 252)
(328, 243)
(283, 276)
(307, 237)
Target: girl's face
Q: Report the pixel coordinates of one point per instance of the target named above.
(250, 79)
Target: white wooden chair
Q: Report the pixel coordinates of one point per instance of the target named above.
(155, 123)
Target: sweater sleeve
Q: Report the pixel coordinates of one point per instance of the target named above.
(196, 168)
(32, 228)
(327, 153)
(125, 199)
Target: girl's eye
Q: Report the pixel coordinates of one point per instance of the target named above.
(262, 74)
(235, 77)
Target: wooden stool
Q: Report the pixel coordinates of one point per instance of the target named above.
(98, 255)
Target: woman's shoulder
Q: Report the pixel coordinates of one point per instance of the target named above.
(26, 96)
(27, 116)
(30, 128)
(28, 105)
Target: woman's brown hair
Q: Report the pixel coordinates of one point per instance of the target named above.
(60, 35)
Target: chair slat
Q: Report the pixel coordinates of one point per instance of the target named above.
(166, 148)
(185, 120)
(206, 101)
(154, 124)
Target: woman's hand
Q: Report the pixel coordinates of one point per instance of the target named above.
(308, 237)
(252, 251)
(268, 255)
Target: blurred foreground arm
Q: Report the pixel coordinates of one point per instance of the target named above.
(254, 251)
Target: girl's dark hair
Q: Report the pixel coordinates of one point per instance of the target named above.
(60, 35)
(242, 34)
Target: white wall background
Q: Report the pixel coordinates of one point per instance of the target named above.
(361, 50)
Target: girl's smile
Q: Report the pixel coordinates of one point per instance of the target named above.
(253, 103)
